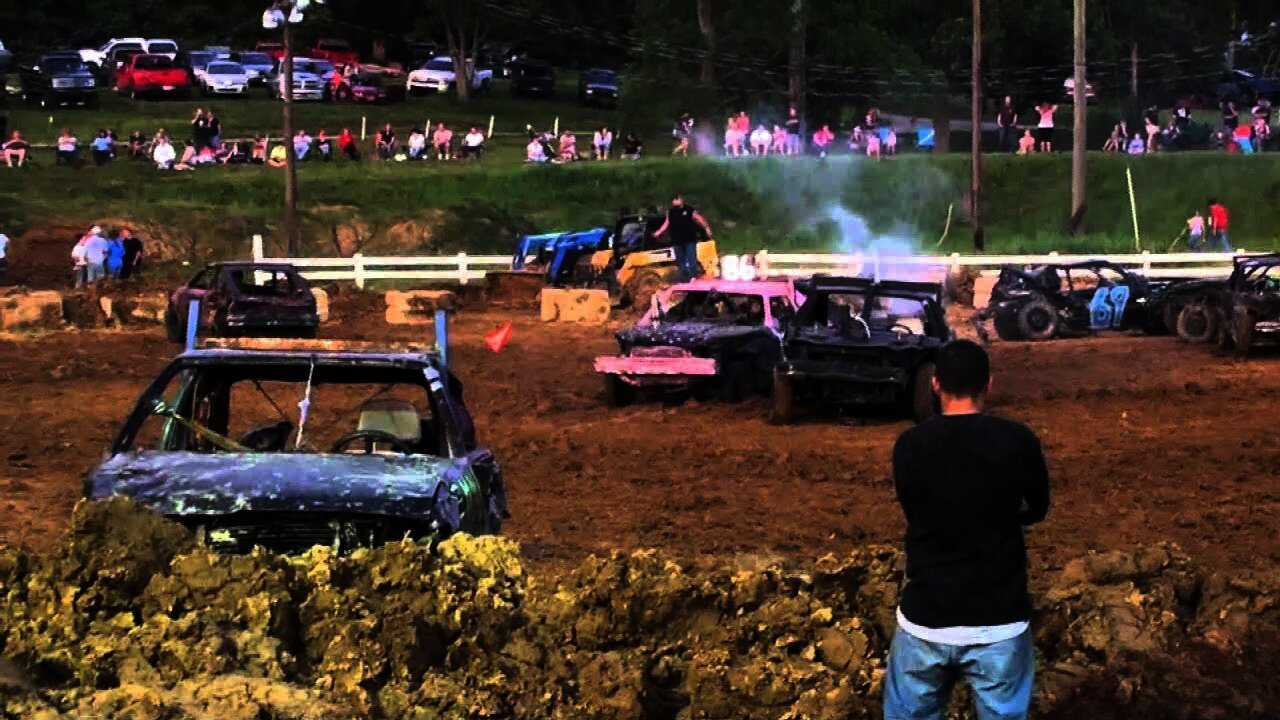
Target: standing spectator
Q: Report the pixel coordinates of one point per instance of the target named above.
(1027, 144)
(324, 145)
(1195, 232)
(601, 141)
(795, 142)
(214, 130)
(163, 154)
(1007, 121)
(133, 252)
(682, 132)
(1136, 145)
(1230, 116)
(925, 137)
(732, 148)
(890, 141)
(78, 261)
(632, 146)
(1153, 133)
(115, 256)
(1044, 130)
(779, 138)
(417, 144)
(68, 149)
(385, 142)
(347, 144)
(1115, 141)
(1261, 133)
(822, 140)
(968, 483)
(200, 128)
(473, 144)
(4, 252)
(442, 141)
(872, 139)
(684, 223)
(102, 148)
(1218, 222)
(137, 146)
(15, 150)
(90, 255)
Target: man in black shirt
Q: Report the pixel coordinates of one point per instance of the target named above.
(686, 227)
(1007, 120)
(132, 254)
(968, 483)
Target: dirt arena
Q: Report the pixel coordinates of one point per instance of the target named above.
(1147, 439)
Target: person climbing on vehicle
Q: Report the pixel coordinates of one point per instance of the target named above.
(968, 484)
(684, 223)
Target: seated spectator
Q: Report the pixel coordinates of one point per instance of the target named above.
(761, 138)
(301, 144)
(857, 139)
(15, 150)
(568, 147)
(632, 147)
(102, 148)
(417, 144)
(188, 156)
(822, 140)
(1244, 139)
(534, 152)
(137, 145)
(473, 144)
(1115, 142)
(442, 141)
(779, 146)
(601, 142)
(323, 145)
(279, 156)
(347, 144)
(888, 140)
(1136, 145)
(1170, 134)
(385, 142)
(1261, 133)
(68, 149)
(203, 156)
(926, 138)
(234, 153)
(163, 154)
(258, 156)
(1027, 143)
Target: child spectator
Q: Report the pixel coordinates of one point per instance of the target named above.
(601, 141)
(442, 141)
(1136, 146)
(385, 142)
(1027, 144)
(682, 132)
(760, 139)
(779, 141)
(347, 144)
(568, 147)
(15, 150)
(1195, 232)
(417, 144)
(324, 145)
(872, 139)
(632, 147)
(473, 144)
(534, 152)
(888, 140)
(163, 154)
(1153, 134)
(68, 149)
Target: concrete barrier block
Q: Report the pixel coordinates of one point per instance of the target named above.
(41, 309)
(417, 307)
(575, 305)
(982, 287)
(322, 303)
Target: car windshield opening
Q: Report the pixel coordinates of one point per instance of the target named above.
(225, 69)
(61, 65)
(879, 312)
(264, 283)
(439, 64)
(714, 307)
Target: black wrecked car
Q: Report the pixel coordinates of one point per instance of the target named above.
(59, 78)
(1077, 299)
(289, 444)
(244, 298)
(859, 341)
(1246, 310)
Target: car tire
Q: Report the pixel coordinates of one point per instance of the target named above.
(1242, 326)
(733, 381)
(1037, 320)
(924, 403)
(618, 392)
(172, 328)
(1006, 324)
(782, 409)
(1198, 323)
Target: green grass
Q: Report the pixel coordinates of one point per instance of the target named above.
(781, 205)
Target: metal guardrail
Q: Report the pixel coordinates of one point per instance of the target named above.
(463, 268)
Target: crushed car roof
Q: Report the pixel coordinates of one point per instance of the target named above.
(292, 349)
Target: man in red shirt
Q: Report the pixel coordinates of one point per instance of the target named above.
(1218, 223)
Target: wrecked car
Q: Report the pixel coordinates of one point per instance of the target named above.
(289, 444)
(1248, 308)
(714, 337)
(859, 341)
(1077, 299)
(244, 298)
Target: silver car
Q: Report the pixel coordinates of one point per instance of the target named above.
(223, 77)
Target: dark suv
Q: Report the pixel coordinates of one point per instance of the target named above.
(858, 341)
(533, 78)
(60, 78)
(599, 87)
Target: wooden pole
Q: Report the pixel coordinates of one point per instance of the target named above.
(291, 159)
(975, 117)
(1079, 144)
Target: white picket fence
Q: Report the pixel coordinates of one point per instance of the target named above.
(463, 268)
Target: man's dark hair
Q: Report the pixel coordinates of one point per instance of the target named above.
(1213, 201)
(963, 369)
(676, 196)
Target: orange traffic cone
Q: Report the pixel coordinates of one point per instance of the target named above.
(498, 337)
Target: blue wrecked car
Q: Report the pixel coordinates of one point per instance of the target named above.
(289, 444)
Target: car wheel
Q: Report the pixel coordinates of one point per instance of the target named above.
(1006, 324)
(1037, 320)
(1198, 323)
(1242, 327)
(172, 328)
(782, 411)
(924, 403)
(733, 381)
(618, 392)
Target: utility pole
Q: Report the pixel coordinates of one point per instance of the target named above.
(796, 71)
(291, 158)
(1079, 145)
(975, 117)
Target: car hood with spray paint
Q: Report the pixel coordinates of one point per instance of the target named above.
(691, 335)
(192, 484)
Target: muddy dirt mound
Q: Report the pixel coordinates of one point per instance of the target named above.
(131, 618)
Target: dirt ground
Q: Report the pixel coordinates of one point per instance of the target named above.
(1148, 440)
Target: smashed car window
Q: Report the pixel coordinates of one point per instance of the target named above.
(263, 283)
(733, 308)
(881, 312)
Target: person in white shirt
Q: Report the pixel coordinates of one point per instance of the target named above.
(417, 144)
(760, 139)
(534, 153)
(473, 144)
(163, 154)
(4, 251)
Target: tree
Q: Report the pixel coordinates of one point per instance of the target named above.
(707, 26)
(465, 27)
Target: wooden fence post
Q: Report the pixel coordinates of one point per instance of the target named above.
(257, 248)
(462, 268)
(358, 260)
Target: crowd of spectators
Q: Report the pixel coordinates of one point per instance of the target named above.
(100, 255)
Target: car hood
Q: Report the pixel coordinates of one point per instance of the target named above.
(227, 76)
(687, 334)
(186, 483)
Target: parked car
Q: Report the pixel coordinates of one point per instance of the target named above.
(858, 342)
(6, 59)
(195, 62)
(500, 56)
(533, 78)
(420, 51)
(387, 452)
(116, 61)
(308, 83)
(242, 298)
(1244, 86)
(60, 78)
(152, 75)
(338, 52)
(437, 75)
(223, 77)
(222, 52)
(161, 46)
(270, 47)
(599, 87)
(362, 86)
(717, 337)
(100, 57)
(258, 65)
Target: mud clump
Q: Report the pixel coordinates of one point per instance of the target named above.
(131, 618)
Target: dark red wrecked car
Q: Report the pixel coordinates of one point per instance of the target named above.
(245, 299)
(365, 87)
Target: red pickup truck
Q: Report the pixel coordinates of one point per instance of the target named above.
(148, 74)
(338, 52)
(274, 49)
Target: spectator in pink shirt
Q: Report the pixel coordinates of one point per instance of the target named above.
(822, 140)
(442, 141)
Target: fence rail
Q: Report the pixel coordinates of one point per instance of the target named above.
(463, 268)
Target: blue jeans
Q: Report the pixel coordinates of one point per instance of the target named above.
(921, 675)
(687, 261)
(1223, 242)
